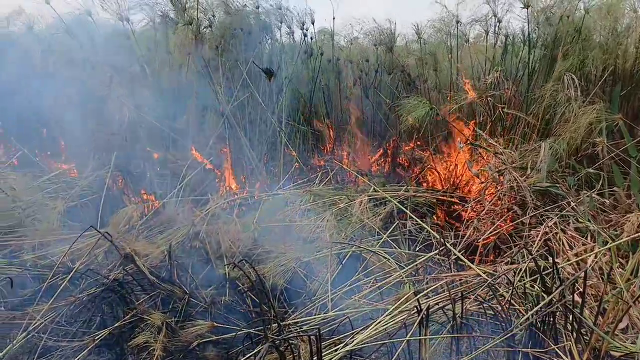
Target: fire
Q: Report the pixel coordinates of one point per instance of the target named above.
(69, 168)
(329, 135)
(362, 146)
(149, 202)
(354, 156)
(226, 177)
(454, 168)
(457, 167)
(146, 200)
(468, 88)
(201, 159)
(8, 158)
(155, 155)
(230, 183)
(118, 182)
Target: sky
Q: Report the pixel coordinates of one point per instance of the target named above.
(404, 12)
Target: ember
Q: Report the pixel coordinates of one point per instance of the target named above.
(146, 199)
(52, 165)
(155, 155)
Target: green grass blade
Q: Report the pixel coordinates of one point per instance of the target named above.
(634, 181)
(615, 99)
(631, 146)
(618, 177)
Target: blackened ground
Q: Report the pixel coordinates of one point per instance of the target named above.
(117, 297)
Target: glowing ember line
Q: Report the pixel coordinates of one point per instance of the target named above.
(69, 168)
(201, 159)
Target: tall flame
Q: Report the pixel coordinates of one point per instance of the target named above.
(230, 183)
(328, 134)
(362, 146)
(226, 177)
(471, 93)
(457, 167)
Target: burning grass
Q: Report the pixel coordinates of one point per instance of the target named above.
(173, 280)
(461, 258)
(461, 169)
(391, 222)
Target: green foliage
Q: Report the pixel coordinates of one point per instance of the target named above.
(417, 116)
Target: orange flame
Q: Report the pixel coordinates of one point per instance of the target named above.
(8, 159)
(155, 155)
(201, 158)
(356, 155)
(146, 200)
(149, 202)
(458, 168)
(230, 183)
(362, 145)
(69, 168)
(329, 140)
(226, 177)
(468, 88)
(59, 166)
(328, 134)
(118, 183)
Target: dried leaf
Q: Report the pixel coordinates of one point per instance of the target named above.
(623, 323)
(631, 225)
(577, 298)
(616, 354)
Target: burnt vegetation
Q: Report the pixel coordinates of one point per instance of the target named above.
(229, 180)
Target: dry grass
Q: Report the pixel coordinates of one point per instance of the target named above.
(344, 264)
(350, 272)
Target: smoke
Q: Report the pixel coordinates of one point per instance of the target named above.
(109, 88)
(116, 94)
